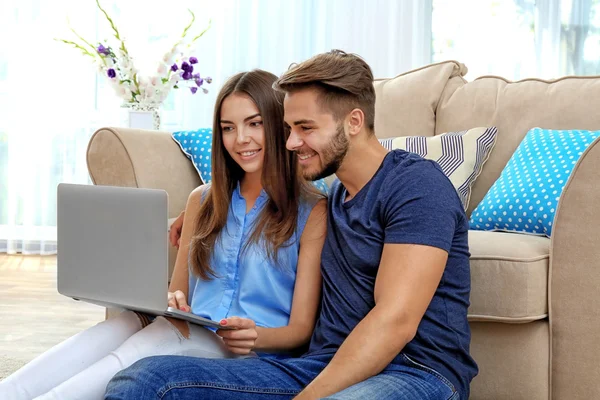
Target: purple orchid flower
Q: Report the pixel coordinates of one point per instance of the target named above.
(199, 82)
(194, 89)
(186, 67)
(187, 75)
(103, 50)
(193, 60)
(174, 67)
(111, 73)
(208, 79)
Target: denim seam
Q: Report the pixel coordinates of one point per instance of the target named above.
(248, 389)
(431, 371)
(454, 396)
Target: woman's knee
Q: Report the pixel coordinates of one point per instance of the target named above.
(133, 319)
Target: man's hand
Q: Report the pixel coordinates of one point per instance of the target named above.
(242, 339)
(175, 232)
(177, 300)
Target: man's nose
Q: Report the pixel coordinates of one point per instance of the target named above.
(294, 141)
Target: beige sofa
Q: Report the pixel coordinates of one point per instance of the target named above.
(535, 302)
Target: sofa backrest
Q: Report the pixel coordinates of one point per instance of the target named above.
(514, 108)
(406, 104)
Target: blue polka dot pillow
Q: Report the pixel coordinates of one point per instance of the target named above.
(197, 145)
(525, 196)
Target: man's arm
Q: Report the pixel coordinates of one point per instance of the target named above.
(406, 282)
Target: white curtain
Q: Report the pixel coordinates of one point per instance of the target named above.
(519, 39)
(51, 99)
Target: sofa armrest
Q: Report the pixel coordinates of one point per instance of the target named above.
(144, 159)
(574, 295)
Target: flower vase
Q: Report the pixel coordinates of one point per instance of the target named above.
(142, 116)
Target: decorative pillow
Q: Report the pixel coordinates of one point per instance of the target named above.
(461, 155)
(525, 196)
(197, 146)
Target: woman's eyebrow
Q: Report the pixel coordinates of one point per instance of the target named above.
(252, 116)
(224, 121)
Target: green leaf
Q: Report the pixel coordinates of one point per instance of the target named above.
(185, 30)
(175, 87)
(81, 38)
(164, 80)
(114, 28)
(78, 46)
(203, 32)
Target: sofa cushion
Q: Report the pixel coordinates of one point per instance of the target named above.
(461, 155)
(515, 108)
(525, 197)
(405, 105)
(509, 277)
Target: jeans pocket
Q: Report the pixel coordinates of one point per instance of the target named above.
(431, 371)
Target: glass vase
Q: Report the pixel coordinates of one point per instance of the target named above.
(145, 116)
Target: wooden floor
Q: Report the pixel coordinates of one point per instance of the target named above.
(33, 315)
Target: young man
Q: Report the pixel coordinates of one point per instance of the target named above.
(395, 267)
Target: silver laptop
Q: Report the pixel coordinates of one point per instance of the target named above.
(113, 248)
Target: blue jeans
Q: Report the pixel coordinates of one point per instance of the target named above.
(183, 378)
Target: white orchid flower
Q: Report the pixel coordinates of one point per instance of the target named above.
(155, 82)
(124, 93)
(162, 69)
(168, 58)
(175, 76)
(142, 81)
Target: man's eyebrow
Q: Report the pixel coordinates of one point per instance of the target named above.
(224, 121)
(304, 121)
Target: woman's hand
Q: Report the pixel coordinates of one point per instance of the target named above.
(175, 231)
(242, 339)
(177, 300)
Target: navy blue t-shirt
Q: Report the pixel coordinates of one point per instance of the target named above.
(409, 200)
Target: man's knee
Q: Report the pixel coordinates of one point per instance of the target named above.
(135, 380)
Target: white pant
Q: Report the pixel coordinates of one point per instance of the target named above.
(81, 366)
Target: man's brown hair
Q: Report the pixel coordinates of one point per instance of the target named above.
(345, 81)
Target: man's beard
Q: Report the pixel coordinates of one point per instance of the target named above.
(332, 156)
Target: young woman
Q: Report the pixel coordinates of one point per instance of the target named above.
(249, 258)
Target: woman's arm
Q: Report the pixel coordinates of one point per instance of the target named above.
(179, 280)
(305, 304)
(307, 291)
(178, 288)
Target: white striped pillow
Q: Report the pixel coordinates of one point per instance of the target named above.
(461, 155)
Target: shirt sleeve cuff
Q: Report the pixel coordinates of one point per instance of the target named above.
(419, 239)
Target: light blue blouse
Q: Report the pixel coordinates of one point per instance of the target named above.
(248, 284)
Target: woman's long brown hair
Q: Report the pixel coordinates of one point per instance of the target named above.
(280, 178)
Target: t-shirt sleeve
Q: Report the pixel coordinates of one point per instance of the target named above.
(420, 207)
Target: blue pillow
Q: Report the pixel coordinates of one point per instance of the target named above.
(197, 145)
(525, 196)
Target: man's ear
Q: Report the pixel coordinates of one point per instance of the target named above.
(355, 121)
